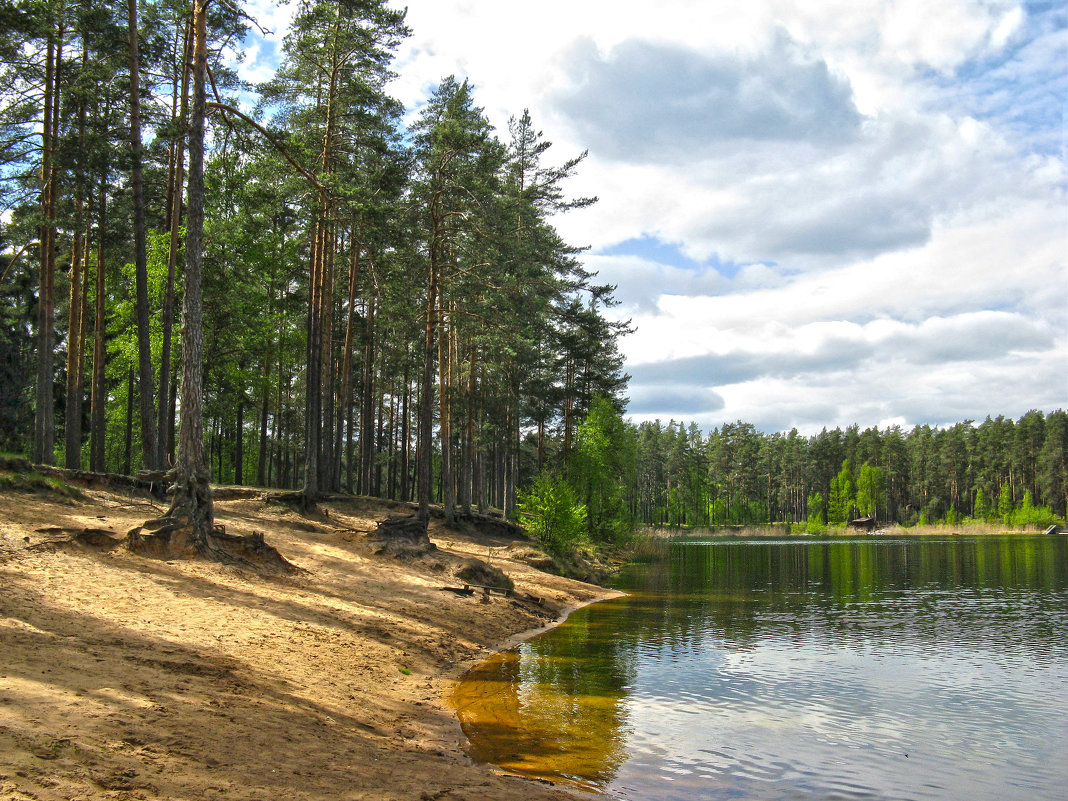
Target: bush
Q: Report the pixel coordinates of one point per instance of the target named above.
(1027, 515)
(552, 514)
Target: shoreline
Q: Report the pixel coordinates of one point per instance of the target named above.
(457, 676)
(187, 681)
(459, 671)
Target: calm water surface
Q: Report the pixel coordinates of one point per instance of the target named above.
(873, 668)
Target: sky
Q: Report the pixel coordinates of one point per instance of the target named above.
(816, 212)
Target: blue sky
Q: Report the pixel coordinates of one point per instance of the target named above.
(816, 213)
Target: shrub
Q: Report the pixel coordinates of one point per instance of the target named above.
(552, 514)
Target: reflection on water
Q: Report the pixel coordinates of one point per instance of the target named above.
(872, 668)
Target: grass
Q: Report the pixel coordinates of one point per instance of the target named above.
(37, 484)
(928, 529)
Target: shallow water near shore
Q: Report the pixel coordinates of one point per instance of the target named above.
(867, 668)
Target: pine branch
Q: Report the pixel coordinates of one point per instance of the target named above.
(308, 176)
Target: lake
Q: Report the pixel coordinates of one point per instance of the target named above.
(863, 668)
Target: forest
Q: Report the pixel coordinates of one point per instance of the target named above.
(1000, 470)
(379, 306)
(371, 300)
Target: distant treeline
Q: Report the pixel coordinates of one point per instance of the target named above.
(738, 475)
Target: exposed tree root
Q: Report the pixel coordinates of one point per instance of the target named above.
(403, 536)
(175, 539)
(297, 500)
(188, 531)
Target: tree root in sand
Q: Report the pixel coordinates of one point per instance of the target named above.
(173, 537)
(298, 500)
(168, 539)
(92, 539)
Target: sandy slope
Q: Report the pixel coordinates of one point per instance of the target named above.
(128, 678)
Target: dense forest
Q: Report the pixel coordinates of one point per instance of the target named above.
(387, 308)
(738, 475)
(370, 300)
(620, 476)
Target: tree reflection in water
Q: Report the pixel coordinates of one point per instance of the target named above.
(796, 641)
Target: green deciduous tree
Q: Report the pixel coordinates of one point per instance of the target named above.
(843, 495)
(600, 469)
(553, 515)
(871, 490)
(815, 524)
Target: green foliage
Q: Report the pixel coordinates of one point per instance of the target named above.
(1005, 504)
(981, 509)
(552, 514)
(843, 496)
(1027, 515)
(815, 523)
(38, 484)
(600, 469)
(925, 516)
(871, 490)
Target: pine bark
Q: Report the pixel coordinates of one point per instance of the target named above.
(44, 418)
(448, 487)
(179, 112)
(76, 329)
(144, 337)
(367, 405)
(424, 466)
(346, 405)
(73, 422)
(192, 500)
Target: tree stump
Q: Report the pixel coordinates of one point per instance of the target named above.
(403, 536)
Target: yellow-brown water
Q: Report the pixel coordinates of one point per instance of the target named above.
(869, 668)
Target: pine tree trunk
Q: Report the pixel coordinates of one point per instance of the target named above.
(328, 364)
(97, 416)
(179, 111)
(424, 459)
(239, 444)
(265, 406)
(467, 458)
(345, 411)
(44, 418)
(144, 336)
(367, 401)
(405, 433)
(448, 492)
(127, 466)
(191, 503)
(76, 327)
(313, 391)
(73, 415)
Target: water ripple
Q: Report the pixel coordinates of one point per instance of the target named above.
(866, 673)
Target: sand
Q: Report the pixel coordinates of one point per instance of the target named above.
(123, 677)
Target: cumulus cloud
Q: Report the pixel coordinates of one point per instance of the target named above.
(815, 213)
(649, 101)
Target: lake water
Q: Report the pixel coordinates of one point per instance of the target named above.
(868, 668)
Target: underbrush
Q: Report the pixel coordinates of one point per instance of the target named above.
(38, 484)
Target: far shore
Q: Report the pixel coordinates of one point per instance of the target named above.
(798, 530)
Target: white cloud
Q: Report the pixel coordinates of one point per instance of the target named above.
(861, 203)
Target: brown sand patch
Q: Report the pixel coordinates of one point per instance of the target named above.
(123, 677)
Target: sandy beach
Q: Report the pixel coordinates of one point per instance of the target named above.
(123, 677)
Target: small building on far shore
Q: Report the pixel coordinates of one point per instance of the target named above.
(864, 523)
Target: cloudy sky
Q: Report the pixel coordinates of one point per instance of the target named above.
(817, 212)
